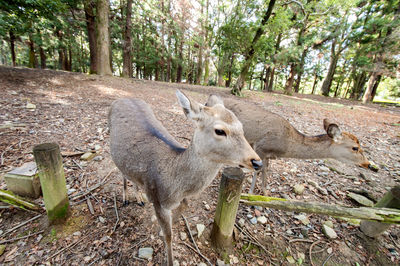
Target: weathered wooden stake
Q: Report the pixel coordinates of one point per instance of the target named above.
(51, 174)
(225, 214)
(390, 200)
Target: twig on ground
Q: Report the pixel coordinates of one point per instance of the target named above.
(77, 164)
(93, 262)
(301, 240)
(330, 255)
(310, 251)
(248, 234)
(116, 213)
(19, 238)
(67, 247)
(138, 243)
(21, 224)
(90, 206)
(103, 182)
(119, 259)
(194, 242)
(137, 258)
(198, 252)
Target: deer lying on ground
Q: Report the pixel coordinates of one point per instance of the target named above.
(272, 136)
(148, 155)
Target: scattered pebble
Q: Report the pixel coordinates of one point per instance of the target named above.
(253, 220)
(302, 218)
(102, 220)
(183, 236)
(241, 222)
(329, 232)
(201, 264)
(257, 213)
(262, 219)
(77, 233)
(324, 169)
(298, 189)
(361, 199)
(145, 253)
(328, 223)
(30, 106)
(233, 259)
(176, 263)
(200, 229)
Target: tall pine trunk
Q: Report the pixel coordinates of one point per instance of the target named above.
(290, 80)
(12, 48)
(127, 70)
(103, 38)
(91, 28)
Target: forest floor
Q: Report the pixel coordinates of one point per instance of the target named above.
(71, 109)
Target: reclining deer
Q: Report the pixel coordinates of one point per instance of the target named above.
(148, 155)
(272, 136)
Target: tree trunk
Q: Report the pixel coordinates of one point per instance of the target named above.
(290, 80)
(127, 70)
(271, 80)
(103, 39)
(371, 82)
(378, 80)
(12, 47)
(91, 28)
(326, 86)
(206, 68)
(315, 82)
(42, 58)
(228, 82)
(179, 71)
(221, 68)
(266, 78)
(236, 90)
(200, 65)
(301, 71)
(359, 82)
(32, 56)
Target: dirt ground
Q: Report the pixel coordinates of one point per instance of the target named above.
(71, 110)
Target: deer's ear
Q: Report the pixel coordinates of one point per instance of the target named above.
(213, 100)
(191, 109)
(332, 130)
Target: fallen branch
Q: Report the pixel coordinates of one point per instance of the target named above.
(67, 247)
(21, 224)
(310, 251)
(116, 213)
(384, 215)
(198, 252)
(10, 198)
(194, 242)
(255, 240)
(19, 238)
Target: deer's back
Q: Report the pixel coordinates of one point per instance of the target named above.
(140, 145)
(271, 134)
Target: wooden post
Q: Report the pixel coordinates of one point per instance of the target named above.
(225, 214)
(51, 174)
(390, 200)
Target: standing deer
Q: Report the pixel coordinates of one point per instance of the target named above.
(148, 155)
(272, 137)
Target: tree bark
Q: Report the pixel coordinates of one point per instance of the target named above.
(12, 48)
(301, 71)
(92, 36)
(42, 58)
(271, 80)
(103, 38)
(32, 56)
(290, 80)
(371, 82)
(179, 70)
(378, 80)
(236, 90)
(229, 80)
(127, 70)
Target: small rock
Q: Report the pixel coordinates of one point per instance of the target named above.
(183, 236)
(39, 238)
(290, 259)
(102, 220)
(262, 219)
(259, 208)
(289, 232)
(298, 189)
(361, 199)
(145, 253)
(257, 213)
(200, 229)
(249, 216)
(1, 232)
(2, 248)
(233, 259)
(13, 92)
(176, 263)
(302, 218)
(329, 232)
(328, 223)
(241, 222)
(30, 106)
(98, 158)
(253, 220)
(313, 183)
(324, 169)
(77, 233)
(71, 190)
(207, 207)
(329, 250)
(201, 264)
(87, 258)
(97, 147)
(88, 156)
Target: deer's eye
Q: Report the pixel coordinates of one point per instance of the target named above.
(220, 132)
(355, 148)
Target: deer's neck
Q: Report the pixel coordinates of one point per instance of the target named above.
(309, 147)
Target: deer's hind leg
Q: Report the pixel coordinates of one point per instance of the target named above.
(179, 210)
(264, 172)
(164, 217)
(137, 194)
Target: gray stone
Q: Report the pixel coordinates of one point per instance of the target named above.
(30, 106)
(102, 220)
(298, 189)
(302, 218)
(329, 232)
(324, 169)
(183, 236)
(253, 220)
(176, 263)
(361, 199)
(328, 223)
(88, 156)
(98, 158)
(262, 219)
(201, 264)
(221, 263)
(200, 229)
(241, 222)
(145, 253)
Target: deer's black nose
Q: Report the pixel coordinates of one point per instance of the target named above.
(256, 164)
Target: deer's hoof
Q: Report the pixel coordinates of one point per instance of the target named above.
(140, 203)
(125, 203)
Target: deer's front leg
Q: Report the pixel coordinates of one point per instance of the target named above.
(164, 217)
